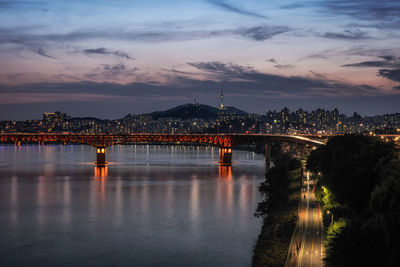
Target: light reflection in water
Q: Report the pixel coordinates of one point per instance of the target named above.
(118, 200)
(41, 200)
(14, 200)
(184, 207)
(194, 201)
(225, 172)
(101, 174)
(225, 189)
(67, 201)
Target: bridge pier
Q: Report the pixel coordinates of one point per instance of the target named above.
(267, 157)
(225, 156)
(101, 156)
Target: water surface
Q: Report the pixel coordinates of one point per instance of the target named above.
(151, 206)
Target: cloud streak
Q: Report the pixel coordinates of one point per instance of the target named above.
(375, 64)
(262, 33)
(34, 41)
(242, 81)
(234, 9)
(104, 51)
(387, 61)
(269, 84)
(385, 12)
(391, 74)
(107, 72)
(352, 34)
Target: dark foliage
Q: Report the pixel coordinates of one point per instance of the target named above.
(294, 164)
(363, 175)
(348, 164)
(281, 188)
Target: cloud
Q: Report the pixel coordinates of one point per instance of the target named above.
(219, 67)
(41, 52)
(264, 84)
(107, 72)
(262, 33)
(4, 4)
(34, 46)
(371, 52)
(284, 66)
(234, 9)
(246, 88)
(373, 64)
(104, 51)
(353, 34)
(388, 61)
(294, 5)
(391, 74)
(384, 12)
(242, 82)
(37, 42)
(279, 66)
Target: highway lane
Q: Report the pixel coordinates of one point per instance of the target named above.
(306, 247)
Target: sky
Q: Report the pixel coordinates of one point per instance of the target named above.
(109, 58)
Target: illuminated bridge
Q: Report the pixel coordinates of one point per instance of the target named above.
(225, 142)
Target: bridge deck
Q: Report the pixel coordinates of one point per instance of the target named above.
(104, 140)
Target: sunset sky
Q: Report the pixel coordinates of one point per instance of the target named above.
(108, 58)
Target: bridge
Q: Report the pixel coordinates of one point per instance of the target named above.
(225, 142)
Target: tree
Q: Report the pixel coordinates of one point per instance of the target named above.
(361, 183)
(348, 164)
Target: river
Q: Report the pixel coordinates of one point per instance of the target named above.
(150, 206)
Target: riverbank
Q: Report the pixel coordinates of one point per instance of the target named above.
(279, 210)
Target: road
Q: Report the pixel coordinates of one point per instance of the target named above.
(306, 247)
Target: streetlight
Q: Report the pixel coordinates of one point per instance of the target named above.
(329, 212)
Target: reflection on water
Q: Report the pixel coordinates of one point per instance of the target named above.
(225, 172)
(152, 206)
(100, 172)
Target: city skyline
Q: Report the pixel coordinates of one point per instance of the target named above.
(97, 58)
(195, 102)
(198, 118)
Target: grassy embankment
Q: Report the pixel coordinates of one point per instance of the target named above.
(282, 195)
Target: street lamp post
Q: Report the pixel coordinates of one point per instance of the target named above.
(331, 213)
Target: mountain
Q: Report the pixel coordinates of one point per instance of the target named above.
(235, 111)
(192, 111)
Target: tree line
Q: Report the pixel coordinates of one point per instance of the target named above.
(359, 190)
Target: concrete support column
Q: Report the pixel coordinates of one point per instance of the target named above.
(101, 156)
(267, 157)
(225, 156)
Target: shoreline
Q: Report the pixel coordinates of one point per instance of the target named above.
(273, 242)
